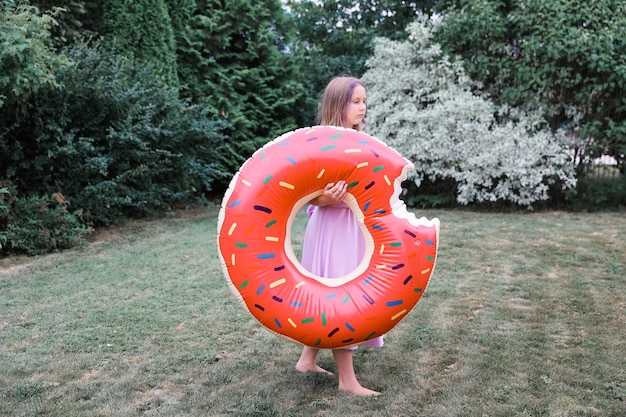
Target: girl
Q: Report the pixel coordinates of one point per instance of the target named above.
(333, 242)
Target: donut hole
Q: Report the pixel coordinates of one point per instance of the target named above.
(347, 265)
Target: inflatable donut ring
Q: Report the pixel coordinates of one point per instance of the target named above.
(254, 238)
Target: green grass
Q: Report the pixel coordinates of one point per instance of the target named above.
(525, 316)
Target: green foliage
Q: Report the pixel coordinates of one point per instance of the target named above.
(566, 56)
(423, 105)
(141, 29)
(116, 140)
(72, 19)
(37, 225)
(28, 62)
(336, 37)
(238, 59)
(5, 207)
(595, 194)
(181, 12)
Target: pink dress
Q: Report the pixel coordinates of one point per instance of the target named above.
(333, 245)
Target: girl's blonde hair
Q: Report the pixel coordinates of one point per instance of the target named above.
(335, 100)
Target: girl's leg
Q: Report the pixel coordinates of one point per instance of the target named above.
(347, 377)
(307, 361)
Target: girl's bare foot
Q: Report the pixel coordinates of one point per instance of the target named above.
(359, 390)
(303, 367)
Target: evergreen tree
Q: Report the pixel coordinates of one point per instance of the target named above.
(337, 36)
(181, 13)
(237, 59)
(141, 29)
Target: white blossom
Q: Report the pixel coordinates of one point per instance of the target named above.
(422, 103)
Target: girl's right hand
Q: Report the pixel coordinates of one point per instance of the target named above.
(333, 193)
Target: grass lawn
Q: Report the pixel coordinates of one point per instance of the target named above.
(525, 316)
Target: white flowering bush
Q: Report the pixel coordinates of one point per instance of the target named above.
(421, 103)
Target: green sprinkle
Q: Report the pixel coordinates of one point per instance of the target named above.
(241, 245)
(327, 148)
(345, 300)
(307, 320)
(396, 243)
(353, 184)
(243, 284)
(338, 135)
(270, 224)
(267, 179)
(323, 319)
(318, 342)
(418, 290)
(430, 258)
(370, 336)
(378, 168)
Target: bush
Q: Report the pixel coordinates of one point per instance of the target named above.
(116, 140)
(38, 225)
(423, 105)
(595, 194)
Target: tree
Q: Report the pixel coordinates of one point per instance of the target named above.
(71, 18)
(28, 61)
(237, 62)
(422, 104)
(141, 29)
(336, 37)
(567, 57)
(181, 13)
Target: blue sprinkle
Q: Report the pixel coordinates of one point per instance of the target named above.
(349, 327)
(379, 211)
(368, 279)
(296, 304)
(266, 256)
(260, 289)
(429, 242)
(394, 303)
(234, 203)
(280, 326)
(377, 227)
(290, 159)
(331, 296)
(366, 206)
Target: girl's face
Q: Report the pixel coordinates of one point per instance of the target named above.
(356, 107)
